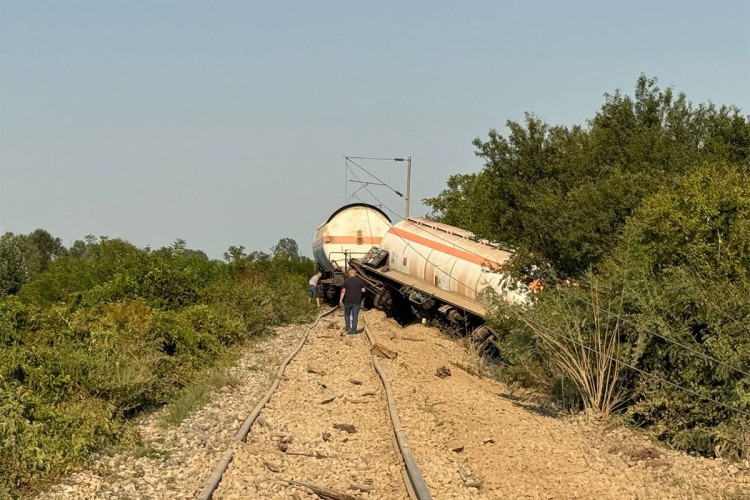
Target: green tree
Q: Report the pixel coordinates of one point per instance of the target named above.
(286, 247)
(675, 290)
(13, 270)
(563, 194)
(235, 254)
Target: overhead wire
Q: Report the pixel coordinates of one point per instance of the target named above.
(349, 159)
(624, 319)
(623, 363)
(398, 193)
(364, 186)
(374, 158)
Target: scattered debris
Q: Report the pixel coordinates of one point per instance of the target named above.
(272, 467)
(488, 441)
(469, 482)
(330, 400)
(326, 436)
(323, 491)
(455, 445)
(348, 428)
(443, 372)
(361, 487)
(314, 454)
(317, 370)
(355, 381)
(380, 350)
(283, 443)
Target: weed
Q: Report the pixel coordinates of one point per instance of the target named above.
(196, 394)
(149, 451)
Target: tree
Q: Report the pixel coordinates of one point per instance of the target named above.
(199, 254)
(13, 271)
(563, 194)
(39, 249)
(286, 247)
(235, 254)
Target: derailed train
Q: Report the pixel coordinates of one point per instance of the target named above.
(414, 268)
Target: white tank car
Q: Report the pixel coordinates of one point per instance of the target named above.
(348, 233)
(448, 263)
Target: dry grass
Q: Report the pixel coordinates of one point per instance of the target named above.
(586, 355)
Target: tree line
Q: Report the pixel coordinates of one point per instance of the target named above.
(638, 226)
(95, 334)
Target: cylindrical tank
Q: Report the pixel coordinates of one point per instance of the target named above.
(448, 258)
(349, 233)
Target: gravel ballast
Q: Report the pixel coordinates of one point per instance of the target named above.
(328, 425)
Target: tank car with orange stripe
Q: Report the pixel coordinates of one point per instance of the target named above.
(349, 233)
(423, 268)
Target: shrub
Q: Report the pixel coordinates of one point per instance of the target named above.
(110, 331)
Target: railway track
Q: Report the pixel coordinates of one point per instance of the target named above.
(327, 427)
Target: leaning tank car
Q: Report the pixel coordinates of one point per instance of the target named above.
(349, 233)
(435, 271)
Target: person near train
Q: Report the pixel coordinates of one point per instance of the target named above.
(312, 289)
(351, 297)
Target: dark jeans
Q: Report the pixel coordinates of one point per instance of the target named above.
(351, 310)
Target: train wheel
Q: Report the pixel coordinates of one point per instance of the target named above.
(383, 300)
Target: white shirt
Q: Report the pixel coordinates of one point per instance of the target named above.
(314, 280)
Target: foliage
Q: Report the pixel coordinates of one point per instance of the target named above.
(564, 194)
(680, 279)
(108, 330)
(639, 226)
(575, 344)
(13, 270)
(286, 247)
(23, 256)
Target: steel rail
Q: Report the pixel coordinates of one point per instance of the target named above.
(213, 482)
(416, 486)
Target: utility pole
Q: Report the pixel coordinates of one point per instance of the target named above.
(408, 185)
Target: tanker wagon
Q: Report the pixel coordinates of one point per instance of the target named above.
(349, 233)
(435, 271)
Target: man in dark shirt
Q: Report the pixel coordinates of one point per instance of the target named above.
(351, 296)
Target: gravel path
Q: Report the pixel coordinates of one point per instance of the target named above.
(472, 438)
(327, 424)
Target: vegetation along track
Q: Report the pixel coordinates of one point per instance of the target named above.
(328, 431)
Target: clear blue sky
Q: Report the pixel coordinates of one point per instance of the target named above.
(225, 122)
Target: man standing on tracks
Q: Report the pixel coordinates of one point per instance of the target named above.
(351, 296)
(312, 289)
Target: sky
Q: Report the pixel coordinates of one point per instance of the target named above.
(226, 123)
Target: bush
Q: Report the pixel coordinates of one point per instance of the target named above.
(676, 291)
(109, 331)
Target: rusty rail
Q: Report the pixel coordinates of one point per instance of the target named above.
(213, 482)
(416, 484)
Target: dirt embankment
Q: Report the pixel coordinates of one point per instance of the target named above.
(513, 448)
